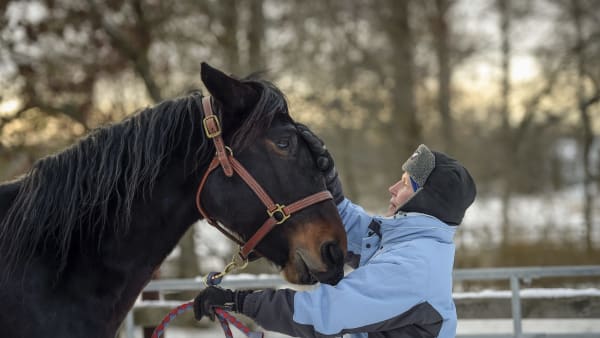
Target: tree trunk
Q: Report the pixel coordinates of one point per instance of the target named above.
(138, 55)
(229, 18)
(256, 35)
(404, 132)
(505, 133)
(350, 182)
(587, 136)
(441, 33)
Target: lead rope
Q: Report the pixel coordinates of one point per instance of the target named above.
(212, 279)
(224, 318)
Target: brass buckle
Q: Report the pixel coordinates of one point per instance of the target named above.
(205, 124)
(282, 216)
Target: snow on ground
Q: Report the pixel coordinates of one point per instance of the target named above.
(557, 216)
(548, 326)
(530, 293)
(465, 326)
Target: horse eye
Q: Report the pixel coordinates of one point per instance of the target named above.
(283, 143)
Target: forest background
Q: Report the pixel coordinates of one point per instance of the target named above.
(510, 88)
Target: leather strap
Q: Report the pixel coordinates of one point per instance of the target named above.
(212, 129)
(271, 222)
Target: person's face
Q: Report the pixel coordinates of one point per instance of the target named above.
(401, 191)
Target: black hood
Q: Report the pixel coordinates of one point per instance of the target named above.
(447, 193)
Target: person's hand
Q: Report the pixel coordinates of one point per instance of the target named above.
(212, 297)
(324, 162)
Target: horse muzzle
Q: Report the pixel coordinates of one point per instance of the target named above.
(327, 266)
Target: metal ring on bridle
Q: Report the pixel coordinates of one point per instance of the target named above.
(278, 213)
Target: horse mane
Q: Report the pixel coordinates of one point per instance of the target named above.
(89, 188)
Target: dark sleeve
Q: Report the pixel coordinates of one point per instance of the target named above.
(274, 311)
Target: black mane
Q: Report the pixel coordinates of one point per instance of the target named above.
(88, 188)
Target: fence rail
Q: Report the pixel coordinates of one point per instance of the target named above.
(514, 275)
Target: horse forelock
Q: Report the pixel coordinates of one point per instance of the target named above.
(270, 103)
(91, 185)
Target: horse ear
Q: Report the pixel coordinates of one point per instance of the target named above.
(234, 95)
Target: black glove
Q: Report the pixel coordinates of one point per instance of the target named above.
(212, 297)
(324, 162)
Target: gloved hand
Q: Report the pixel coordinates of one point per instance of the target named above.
(324, 162)
(212, 297)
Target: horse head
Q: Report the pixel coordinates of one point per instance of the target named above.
(309, 246)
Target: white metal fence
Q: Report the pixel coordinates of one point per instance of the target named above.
(515, 275)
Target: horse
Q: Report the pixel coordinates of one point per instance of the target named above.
(83, 231)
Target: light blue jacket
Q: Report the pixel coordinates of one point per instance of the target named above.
(402, 286)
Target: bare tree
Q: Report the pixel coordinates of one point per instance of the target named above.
(441, 30)
(405, 131)
(583, 103)
(506, 140)
(256, 36)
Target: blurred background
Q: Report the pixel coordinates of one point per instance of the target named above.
(510, 88)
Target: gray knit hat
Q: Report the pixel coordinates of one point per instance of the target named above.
(420, 165)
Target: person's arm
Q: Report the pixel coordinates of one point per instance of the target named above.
(356, 222)
(382, 296)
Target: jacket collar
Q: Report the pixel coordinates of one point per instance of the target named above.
(413, 225)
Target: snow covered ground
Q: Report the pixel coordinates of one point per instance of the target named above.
(556, 216)
(466, 326)
(530, 293)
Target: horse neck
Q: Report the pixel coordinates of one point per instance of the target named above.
(157, 225)
(100, 283)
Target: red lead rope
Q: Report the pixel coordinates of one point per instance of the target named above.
(221, 314)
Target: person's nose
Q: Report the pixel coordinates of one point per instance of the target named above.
(393, 189)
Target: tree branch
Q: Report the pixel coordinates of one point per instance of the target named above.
(590, 101)
(532, 105)
(18, 114)
(139, 58)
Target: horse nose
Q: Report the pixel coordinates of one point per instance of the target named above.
(332, 254)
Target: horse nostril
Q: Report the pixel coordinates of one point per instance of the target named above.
(332, 254)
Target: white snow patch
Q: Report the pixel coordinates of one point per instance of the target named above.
(556, 216)
(530, 293)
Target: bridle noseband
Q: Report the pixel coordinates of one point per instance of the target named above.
(277, 213)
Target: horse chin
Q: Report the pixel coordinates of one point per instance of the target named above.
(299, 271)
(306, 275)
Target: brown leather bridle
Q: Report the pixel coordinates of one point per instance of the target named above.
(278, 213)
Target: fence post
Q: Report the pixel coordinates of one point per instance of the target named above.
(129, 325)
(516, 306)
(151, 295)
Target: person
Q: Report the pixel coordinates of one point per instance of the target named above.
(402, 282)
